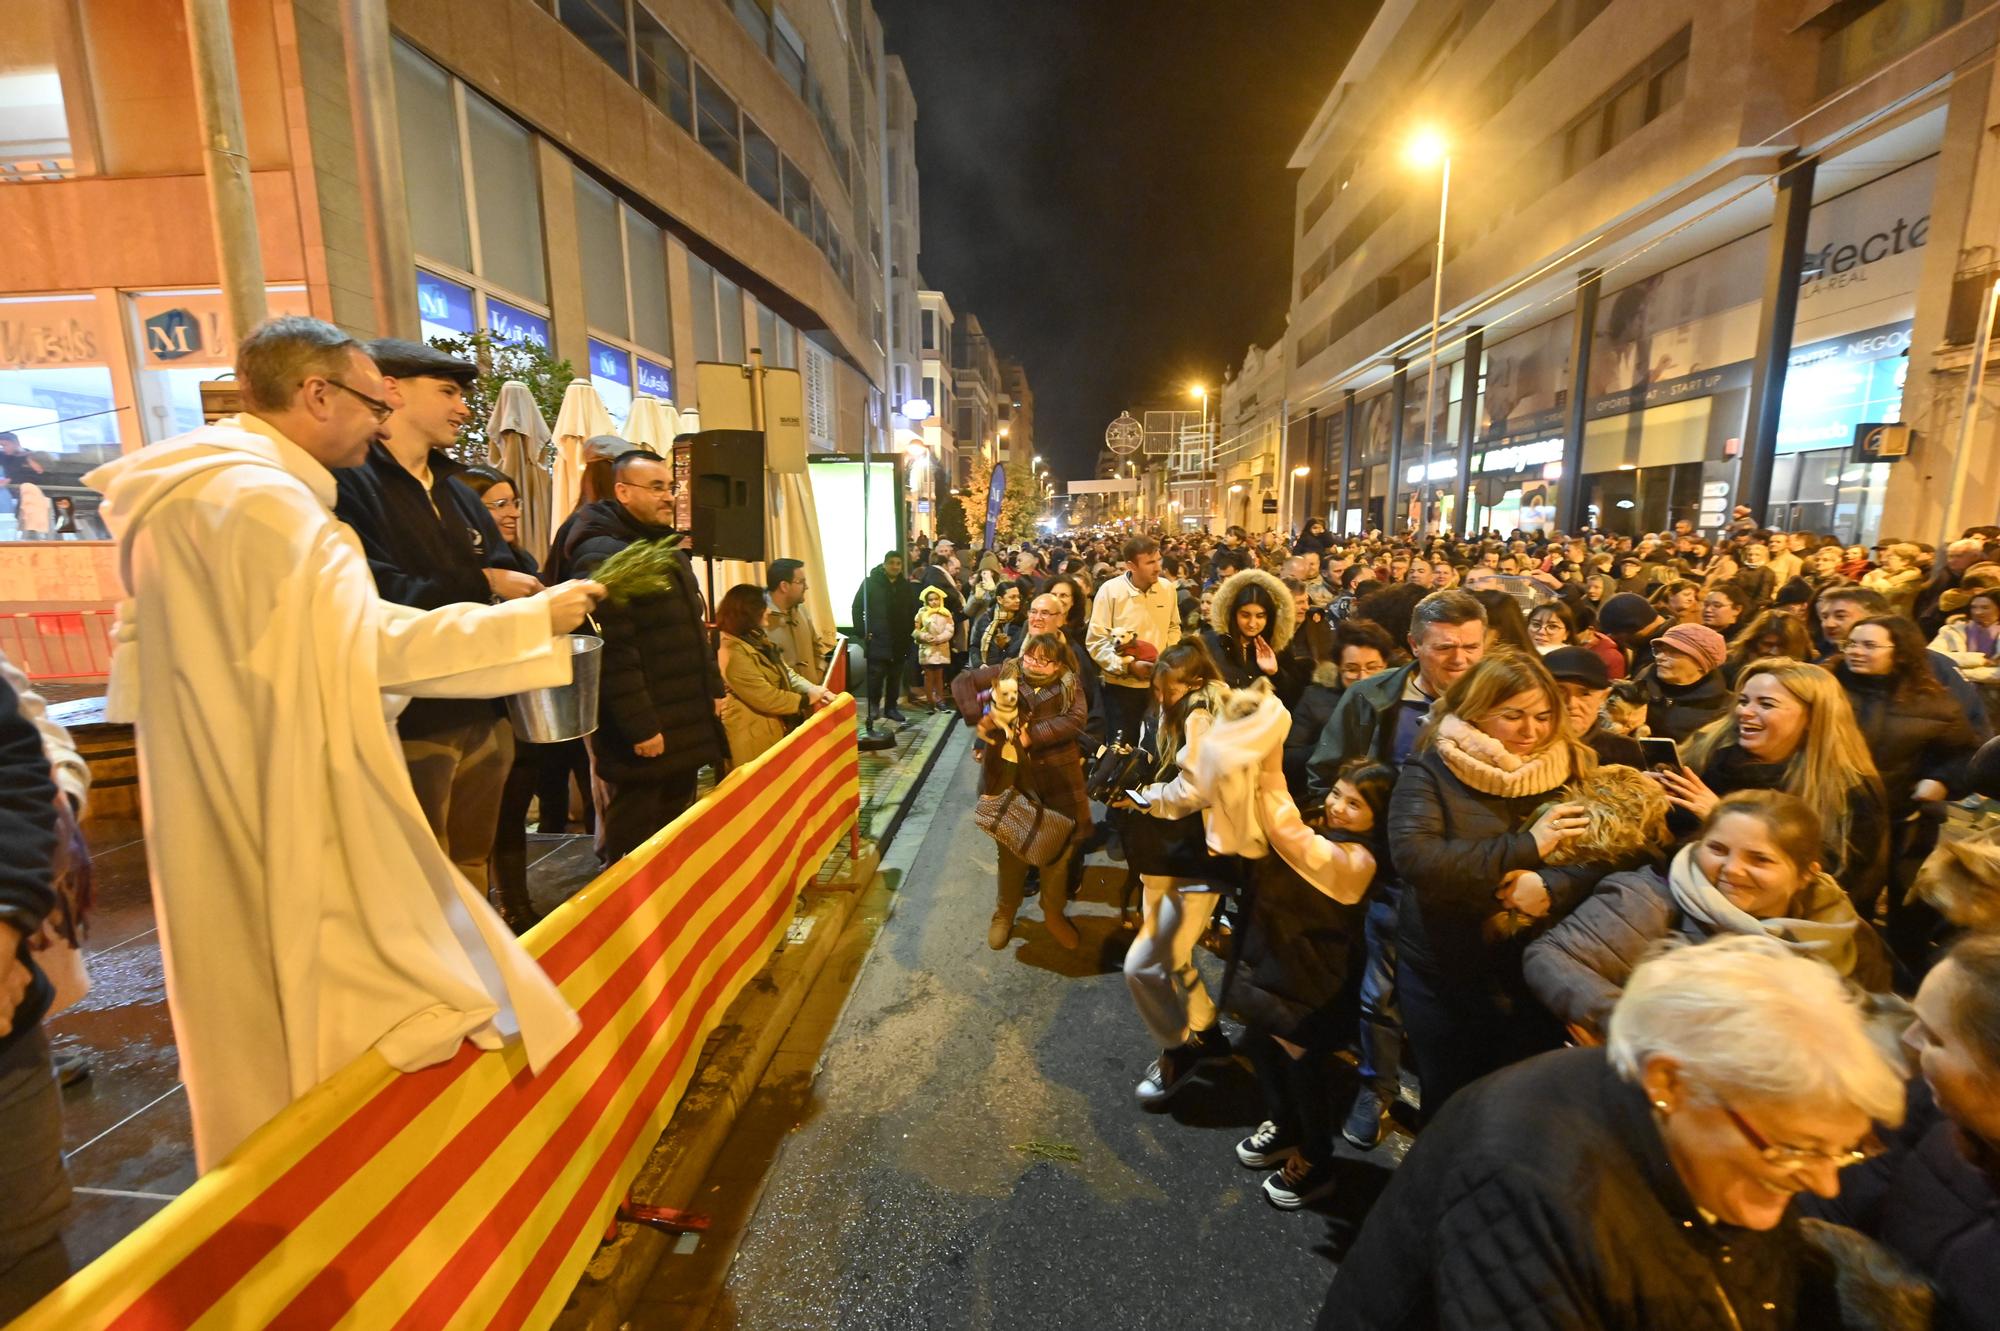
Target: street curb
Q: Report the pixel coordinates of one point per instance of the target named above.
(733, 1062)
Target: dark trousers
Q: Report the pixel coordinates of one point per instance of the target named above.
(1381, 1026)
(557, 764)
(33, 1257)
(1459, 1033)
(628, 812)
(1298, 1094)
(885, 683)
(1124, 709)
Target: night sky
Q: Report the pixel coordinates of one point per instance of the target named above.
(1104, 184)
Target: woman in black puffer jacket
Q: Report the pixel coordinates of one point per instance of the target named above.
(1469, 837)
(1250, 619)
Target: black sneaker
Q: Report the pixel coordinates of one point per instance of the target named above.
(1165, 1075)
(1210, 1046)
(1264, 1148)
(1297, 1183)
(1364, 1121)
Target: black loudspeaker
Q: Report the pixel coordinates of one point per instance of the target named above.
(721, 475)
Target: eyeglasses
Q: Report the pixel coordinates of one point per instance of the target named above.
(502, 505)
(383, 411)
(1797, 1159)
(657, 487)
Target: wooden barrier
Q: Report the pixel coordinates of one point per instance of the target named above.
(471, 1194)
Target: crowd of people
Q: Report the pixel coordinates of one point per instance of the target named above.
(1622, 859)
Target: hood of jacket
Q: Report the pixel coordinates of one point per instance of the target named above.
(1222, 608)
(1327, 675)
(134, 484)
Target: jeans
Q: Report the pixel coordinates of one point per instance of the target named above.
(33, 1257)
(1159, 966)
(459, 775)
(1381, 1024)
(1459, 1032)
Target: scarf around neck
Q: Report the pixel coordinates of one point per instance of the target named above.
(1488, 766)
(1825, 928)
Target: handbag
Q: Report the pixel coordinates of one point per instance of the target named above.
(1023, 824)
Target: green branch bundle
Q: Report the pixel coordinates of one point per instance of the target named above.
(643, 568)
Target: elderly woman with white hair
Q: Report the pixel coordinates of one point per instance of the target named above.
(1646, 1184)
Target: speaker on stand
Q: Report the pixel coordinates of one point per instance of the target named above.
(719, 497)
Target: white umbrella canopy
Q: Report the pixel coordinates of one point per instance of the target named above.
(582, 416)
(516, 438)
(652, 424)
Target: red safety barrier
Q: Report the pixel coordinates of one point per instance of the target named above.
(471, 1194)
(60, 644)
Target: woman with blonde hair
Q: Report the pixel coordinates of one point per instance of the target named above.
(1473, 824)
(1793, 730)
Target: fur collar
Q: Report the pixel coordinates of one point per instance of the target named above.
(1486, 765)
(1222, 608)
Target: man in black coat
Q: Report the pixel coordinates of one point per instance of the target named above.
(431, 543)
(33, 1259)
(660, 694)
(884, 612)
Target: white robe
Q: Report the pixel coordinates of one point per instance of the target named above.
(306, 911)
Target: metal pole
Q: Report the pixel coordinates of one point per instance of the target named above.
(1777, 314)
(378, 161)
(1346, 453)
(232, 204)
(1961, 458)
(1431, 376)
(1399, 407)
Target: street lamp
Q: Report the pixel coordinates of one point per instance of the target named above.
(1425, 150)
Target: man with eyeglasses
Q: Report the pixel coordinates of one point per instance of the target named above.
(660, 695)
(307, 915)
(431, 543)
(805, 648)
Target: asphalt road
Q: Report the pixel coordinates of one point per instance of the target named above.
(971, 1155)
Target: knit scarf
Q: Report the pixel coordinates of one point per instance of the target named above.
(1825, 928)
(1488, 766)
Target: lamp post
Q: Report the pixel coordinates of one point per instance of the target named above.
(1201, 391)
(1426, 150)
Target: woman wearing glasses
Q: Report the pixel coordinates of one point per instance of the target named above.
(1646, 1184)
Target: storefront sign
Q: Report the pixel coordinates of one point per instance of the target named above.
(51, 332)
(188, 328)
(444, 308)
(1881, 441)
(510, 323)
(655, 380)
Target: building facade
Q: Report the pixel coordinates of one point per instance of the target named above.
(1017, 416)
(637, 184)
(976, 392)
(1690, 250)
(1248, 451)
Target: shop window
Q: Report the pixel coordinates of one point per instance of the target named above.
(760, 164)
(701, 283)
(57, 396)
(601, 25)
(602, 251)
(511, 323)
(444, 307)
(663, 69)
(181, 338)
(646, 259)
(508, 196)
(729, 320)
(611, 376)
(433, 173)
(654, 379)
(716, 124)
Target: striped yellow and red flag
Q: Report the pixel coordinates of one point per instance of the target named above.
(471, 1194)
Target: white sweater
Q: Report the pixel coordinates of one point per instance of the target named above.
(1153, 616)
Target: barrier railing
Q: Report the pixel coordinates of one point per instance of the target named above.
(59, 644)
(472, 1194)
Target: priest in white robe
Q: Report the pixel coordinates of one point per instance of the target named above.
(307, 914)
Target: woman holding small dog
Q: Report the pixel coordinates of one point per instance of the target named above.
(1035, 741)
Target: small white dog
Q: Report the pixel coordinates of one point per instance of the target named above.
(1004, 706)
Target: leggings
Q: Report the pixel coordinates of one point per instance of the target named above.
(1298, 1094)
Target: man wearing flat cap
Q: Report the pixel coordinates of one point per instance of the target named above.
(430, 542)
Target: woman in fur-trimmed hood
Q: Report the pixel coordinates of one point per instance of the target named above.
(1250, 619)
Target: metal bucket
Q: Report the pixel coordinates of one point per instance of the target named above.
(568, 711)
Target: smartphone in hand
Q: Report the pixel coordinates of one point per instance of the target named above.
(1138, 801)
(1660, 752)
